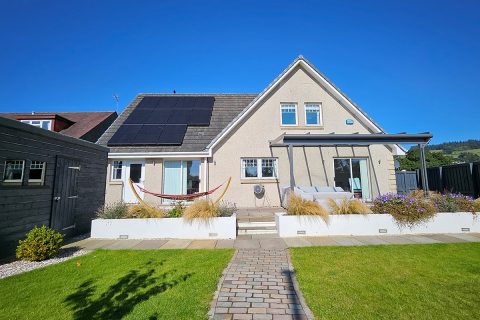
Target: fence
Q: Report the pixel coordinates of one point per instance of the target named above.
(458, 178)
(406, 181)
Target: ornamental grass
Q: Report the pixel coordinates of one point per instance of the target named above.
(143, 212)
(348, 206)
(201, 209)
(301, 207)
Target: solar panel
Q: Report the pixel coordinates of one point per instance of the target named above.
(158, 134)
(163, 120)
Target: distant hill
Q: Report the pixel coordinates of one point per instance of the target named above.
(460, 151)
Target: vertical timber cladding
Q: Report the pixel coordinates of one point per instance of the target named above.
(25, 205)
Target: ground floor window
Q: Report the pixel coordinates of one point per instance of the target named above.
(117, 170)
(259, 168)
(181, 176)
(352, 175)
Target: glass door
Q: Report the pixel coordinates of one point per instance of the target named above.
(181, 177)
(352, 175)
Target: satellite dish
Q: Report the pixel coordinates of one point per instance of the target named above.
(258, 189)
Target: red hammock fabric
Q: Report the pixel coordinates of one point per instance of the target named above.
(180, 196)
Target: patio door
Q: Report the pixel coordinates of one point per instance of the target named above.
(352, 175)
(135, 170)
(181, 176)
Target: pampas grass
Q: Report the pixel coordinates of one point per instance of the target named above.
(348, 206)
(201, 209)
(142, 212)
(298, 206)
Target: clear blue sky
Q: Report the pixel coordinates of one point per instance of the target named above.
(412, 65)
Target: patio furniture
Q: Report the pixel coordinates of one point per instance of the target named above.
(318, 194)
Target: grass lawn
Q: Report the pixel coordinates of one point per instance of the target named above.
(434, 281)
(124, 284)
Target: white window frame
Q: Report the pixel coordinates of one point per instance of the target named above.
(30, 122)
(44, 166)
(319, 118)
(288, 105)
(5, 171)
(259, 168)
(113, 169)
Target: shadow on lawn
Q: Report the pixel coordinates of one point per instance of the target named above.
(121, 297)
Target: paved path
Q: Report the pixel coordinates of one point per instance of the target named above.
(259, 284)
(274, 242)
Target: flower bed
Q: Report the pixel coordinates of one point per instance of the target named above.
(165, 228)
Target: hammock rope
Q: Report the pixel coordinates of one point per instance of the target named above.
(179, 196)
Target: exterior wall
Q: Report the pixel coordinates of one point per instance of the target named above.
(24, 206)
(251, 139)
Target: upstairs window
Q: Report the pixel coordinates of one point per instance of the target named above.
(288, 114)
(37, 172)
(313, 115)
(259, 168)
(13, 171)
(117, 170)
(45, 124)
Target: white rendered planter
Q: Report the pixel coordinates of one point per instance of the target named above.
(373, 224)
(165, 228)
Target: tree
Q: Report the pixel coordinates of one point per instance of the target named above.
(468, 157)
(411, 160)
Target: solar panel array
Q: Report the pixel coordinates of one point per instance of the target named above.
(163, 120)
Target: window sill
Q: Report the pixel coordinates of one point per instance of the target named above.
(302, 127)
(258, 181)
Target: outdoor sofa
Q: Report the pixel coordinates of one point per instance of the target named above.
(318, 194)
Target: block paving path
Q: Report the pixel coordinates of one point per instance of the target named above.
(259, 284)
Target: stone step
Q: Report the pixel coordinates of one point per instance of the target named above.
(256, 224)
(256, 231)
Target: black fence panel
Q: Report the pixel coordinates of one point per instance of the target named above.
(476, 178)
(434, 176)
(406, 181)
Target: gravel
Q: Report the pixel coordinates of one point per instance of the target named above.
(20, 266)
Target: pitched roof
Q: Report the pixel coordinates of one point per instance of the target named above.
(226, 107)
(83, 122)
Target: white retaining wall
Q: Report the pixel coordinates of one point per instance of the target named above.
(373, 224)
(165, 228)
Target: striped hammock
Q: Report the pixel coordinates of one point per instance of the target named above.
(183, 197)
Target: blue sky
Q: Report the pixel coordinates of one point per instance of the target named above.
(412, 65)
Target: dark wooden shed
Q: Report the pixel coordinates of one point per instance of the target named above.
(47, 178)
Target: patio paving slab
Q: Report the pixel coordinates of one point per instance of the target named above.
(176, 244)
(297, 242)
(97, 244)
(223, 244)
(465, 236)
(348, 241)
(371, 240)
(247, 244)
(322, 241)
(445, 238)
(420, 239)
(397, 240)
(122, 244)
(202, 244)
(149, 244)
(274, 243)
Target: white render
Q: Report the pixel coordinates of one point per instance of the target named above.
(165, 228)
(370, 225)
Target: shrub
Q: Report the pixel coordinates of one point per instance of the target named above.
(302, 207)
(348, 206)
(464, 203)
(177, 210)
(444, 203)
(406, 210)
(116, 210)
(139, 211)
(40, 244)
(226, 209)
(202, 209)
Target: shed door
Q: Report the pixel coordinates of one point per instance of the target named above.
(65, 194)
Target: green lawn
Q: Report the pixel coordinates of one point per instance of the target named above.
(437, 281)
(126, 284)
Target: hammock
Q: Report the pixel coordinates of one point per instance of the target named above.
(184, 197)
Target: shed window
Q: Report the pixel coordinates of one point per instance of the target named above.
(117, 170)
(288, 114)
(37, 172)
(13, 171)
(259, 168)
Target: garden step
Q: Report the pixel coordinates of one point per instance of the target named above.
(259, 231)
(256, 224)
